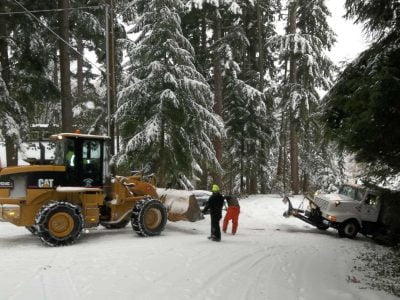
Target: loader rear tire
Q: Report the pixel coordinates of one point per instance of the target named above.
(59, 223)
(149, 217)
(349, 229)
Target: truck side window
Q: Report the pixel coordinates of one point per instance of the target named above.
(359, 194)
(371, 200)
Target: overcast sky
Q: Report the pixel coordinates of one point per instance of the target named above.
(350, 39)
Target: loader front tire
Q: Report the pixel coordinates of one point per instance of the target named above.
(149, 217)
(59, 223)
(349, 229)
(32, 229)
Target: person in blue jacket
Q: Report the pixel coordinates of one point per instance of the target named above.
(214, 205)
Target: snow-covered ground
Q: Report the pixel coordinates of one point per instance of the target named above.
(270, 258)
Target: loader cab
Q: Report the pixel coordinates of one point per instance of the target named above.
(85, 158)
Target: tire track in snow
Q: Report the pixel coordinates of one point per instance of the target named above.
(57, 281)
(231, 281)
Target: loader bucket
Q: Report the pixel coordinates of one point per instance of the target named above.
(181, 205)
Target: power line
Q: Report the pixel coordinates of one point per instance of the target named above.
(51, 10)
(59, 37)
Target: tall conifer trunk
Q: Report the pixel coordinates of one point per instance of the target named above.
(242, 187)
(11, 148)
(260, 46)
(111, 63)
(79, 69)
(55, 70)
(162, 157)
(65, 73)
(294, 147)
(203, 40)
(279, 171)
(218, 97)
(4, 59)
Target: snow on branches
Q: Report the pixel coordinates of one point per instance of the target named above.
(165, 105)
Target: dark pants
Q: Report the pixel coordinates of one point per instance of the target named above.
(215, 229)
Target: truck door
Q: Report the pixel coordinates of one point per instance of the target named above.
(370, 207)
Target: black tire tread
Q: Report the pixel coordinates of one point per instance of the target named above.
(342, 232)
(43, 216)
(138, 211)
(32, 229)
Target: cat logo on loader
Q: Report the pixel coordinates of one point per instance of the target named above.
(56, 202)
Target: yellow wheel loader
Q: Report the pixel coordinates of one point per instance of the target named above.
(56, 202)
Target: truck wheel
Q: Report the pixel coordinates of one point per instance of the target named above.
(59, 223)
(32, 229)
(349, 229)
(149, 217)
(119, 225)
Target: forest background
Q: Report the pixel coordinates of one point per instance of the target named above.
(203, 91)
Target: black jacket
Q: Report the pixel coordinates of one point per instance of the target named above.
(214, 204)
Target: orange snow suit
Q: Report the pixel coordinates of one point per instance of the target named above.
(231, 214)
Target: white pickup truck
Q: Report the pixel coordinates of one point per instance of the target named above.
(353, 209)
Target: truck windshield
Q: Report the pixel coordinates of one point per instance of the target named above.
(352, 192)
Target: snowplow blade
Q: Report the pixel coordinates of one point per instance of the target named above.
(288, 212)
(298, 213)
(181, 205)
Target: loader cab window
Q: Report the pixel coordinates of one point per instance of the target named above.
(92, 163)
(83, 161)
(66, 154)
(70, 154)
(59, 154)
(106, 165)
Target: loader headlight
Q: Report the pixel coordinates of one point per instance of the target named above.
(337, 202)
(11, 211)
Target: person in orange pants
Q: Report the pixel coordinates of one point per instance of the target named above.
(232, 213)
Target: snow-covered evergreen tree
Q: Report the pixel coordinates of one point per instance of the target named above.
(164, 108)
(362, 113)
(246, 117)
(235, 42)
(90, 91)
(303, 51)
(13, 124)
